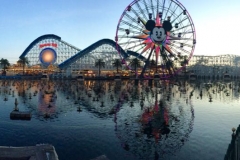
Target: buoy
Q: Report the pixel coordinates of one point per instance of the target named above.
(119, 100)
(51, 100)
(79, 109)
(46, 115)
(82, 99)
(49, 105)
(141, 103)
(16, 103)
(131, 104)
(76, 102)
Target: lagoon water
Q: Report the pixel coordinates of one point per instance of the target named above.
(83, 120)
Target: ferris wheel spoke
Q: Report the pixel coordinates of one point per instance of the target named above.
(137, 15)
(177, 18)
(157, 4)
(183, 20)
(141, 51)
(175, 46)
(152, 9)
(130, 31)
(129, 42)
(173, 12)
(147, 61)
(131, 25)
(183, 50)
(136, 46)
(143, 22)
(137, 55)
(141, 10)
(179, 38)
(132, 19)
(163, 8)
(174, 50)
(169, 51)
(168, 10)
(185, 33)
(123, 36)
(181, 28)
(185, 44)
(146, 7)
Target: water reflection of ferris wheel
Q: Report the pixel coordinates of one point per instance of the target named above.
(157, 129)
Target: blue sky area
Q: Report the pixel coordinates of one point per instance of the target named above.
(83, 22)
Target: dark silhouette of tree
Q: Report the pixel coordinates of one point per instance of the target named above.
(135, 63)
(170, 66)
(184, 63)
(117, 63)
(100, 64)
(23, 61)
(153, 64)
(5, 63)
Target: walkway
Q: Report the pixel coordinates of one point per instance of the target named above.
(38, 152)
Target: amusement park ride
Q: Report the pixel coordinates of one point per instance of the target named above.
(160, 30)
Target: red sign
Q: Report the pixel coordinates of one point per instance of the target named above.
(48, 45)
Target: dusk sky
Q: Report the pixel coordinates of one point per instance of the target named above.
(83, 22)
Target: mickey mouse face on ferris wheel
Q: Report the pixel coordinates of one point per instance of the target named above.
(158, 34)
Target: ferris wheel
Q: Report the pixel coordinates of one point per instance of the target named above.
(159, 34)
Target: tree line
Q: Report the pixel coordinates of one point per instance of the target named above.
(134, 63)
(22, 62)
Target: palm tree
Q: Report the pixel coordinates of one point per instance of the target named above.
(135, 63)
(170, 66)
(99, 63)
(184, 64)
(117, 63)
(23, 61)
(153, 64)
(5, 63)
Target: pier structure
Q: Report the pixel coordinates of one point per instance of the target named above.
(233, 151)
(38, 152)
